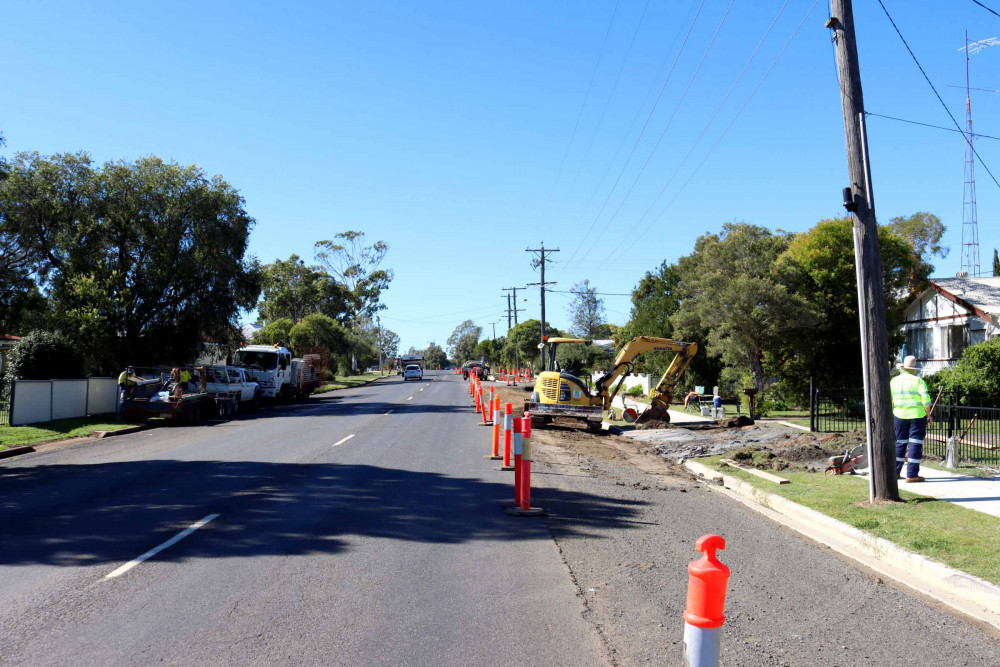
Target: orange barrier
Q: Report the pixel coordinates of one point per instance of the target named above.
(706, 601)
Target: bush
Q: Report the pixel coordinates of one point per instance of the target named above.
(634, 390)
(43, 355)
(976, 373)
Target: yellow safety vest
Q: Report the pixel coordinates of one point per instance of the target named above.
(909, 396)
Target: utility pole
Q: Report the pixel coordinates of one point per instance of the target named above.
(515, 310)
(494, 325)
(378, 341)
(859, 200)
(540, 262)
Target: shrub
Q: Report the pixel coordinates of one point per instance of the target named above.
(43, 355)
(634, 390)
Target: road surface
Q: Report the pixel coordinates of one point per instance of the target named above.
(365, 527)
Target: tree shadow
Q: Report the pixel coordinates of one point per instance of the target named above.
(74, 515)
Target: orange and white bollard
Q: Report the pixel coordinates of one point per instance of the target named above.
(706, 600)
(486, 407)
(524, 507)
(515, 445)
(496, 429)
(508, 428)
(476, 396)
(518, 442)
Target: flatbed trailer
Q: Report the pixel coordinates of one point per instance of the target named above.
(155, 394)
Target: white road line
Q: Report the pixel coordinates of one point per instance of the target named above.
(422, 388)
(409, 398)
(343, 440)
(389, 413)
(169, 543)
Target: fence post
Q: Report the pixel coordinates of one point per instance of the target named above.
(951, 415)
(812, 404)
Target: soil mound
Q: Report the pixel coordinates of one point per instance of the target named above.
(736, 422)
(653, 423)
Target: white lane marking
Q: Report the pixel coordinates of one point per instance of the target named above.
(422, 388)
(169, 543)
(389, 413)
(343, 440)
(409, 398)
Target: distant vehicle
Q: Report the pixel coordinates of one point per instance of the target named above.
(477, 367)
(412, 372)
(372, 369)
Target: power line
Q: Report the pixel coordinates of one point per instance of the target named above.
(711, 150)
(607, 102)
(715, 115)
(583, 106)
(936, 93)
(558, 291)
(985, 7)
(642, 132)
(936, 127)
(663, 132)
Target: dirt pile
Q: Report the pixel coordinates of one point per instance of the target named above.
(653, 424)
(738, 421)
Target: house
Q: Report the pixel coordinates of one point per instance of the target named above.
(948, 316)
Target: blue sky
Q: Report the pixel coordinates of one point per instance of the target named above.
(462, 133)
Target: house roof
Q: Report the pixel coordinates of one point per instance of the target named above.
(981, 295)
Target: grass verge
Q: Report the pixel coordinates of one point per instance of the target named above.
(19, 436)
(956, 536)
(348, 381)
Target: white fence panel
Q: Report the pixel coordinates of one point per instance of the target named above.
(69, 399)
(32, 402)
(643, 380)
(102, 396)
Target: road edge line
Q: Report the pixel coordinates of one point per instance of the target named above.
(959, 590)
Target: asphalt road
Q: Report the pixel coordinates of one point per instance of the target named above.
(364, 527)
(389, 548)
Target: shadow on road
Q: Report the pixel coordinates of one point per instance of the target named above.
(102, 513)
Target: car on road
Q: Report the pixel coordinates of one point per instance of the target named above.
(413, 372)
(476, 367)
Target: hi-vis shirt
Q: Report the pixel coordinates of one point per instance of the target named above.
(909, 396)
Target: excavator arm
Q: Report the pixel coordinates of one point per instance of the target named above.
(664, 389)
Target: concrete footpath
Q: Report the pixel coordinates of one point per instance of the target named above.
(977, 493)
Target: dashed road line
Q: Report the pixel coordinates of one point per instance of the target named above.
(152, 552)
(409, 398)
(389, 413)
(343, 440)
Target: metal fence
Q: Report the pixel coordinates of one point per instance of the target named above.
(837, 412)
(973, 420)
(4, 403)
(976, 430)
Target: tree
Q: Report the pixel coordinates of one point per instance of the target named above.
(275, 332)
(141, 260)
(356, 266)
(996, 264)
(434, 357)
(522, 342)
(292, 289)
(924, 232)
(318, 330)
(819, 266)
(731, 300)
(43, 355)
(462, 341)
(977, 372)
(586, 310)
(390, 344)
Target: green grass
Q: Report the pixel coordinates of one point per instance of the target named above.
(348, 381)
(18, 436)
(957, 536)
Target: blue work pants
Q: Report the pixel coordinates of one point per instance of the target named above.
(909, 436)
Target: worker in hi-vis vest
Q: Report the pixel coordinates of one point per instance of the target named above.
(911, 410)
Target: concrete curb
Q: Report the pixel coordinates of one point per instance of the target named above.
(16, 451)
(122, 431)
(959, 590)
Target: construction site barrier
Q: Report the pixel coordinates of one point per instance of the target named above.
(524, 508)
(706, 601)
(508, 426)
(496, 429)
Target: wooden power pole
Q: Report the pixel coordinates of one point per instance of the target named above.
(540, 262)
(858, 199)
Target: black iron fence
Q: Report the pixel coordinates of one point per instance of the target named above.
(974, 421)
(4, 403)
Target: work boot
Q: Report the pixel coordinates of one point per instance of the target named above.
(918, 478)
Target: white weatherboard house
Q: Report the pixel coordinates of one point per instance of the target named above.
(947, 317)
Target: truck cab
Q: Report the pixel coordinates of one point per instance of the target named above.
(270, 366)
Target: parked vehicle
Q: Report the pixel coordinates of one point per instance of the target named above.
(413, 372)
(279, 374)
(235, 383)
(408, 360)
(481, 372)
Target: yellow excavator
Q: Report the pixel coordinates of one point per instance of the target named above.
(560, 394)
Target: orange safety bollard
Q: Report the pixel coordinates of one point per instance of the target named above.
(518, 442)
(508, 427)
(486, 408)
(706, 601)
(475, 398)
(515, 445)
(496, 429)
(524, 507)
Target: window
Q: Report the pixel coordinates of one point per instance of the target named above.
(956, 339)
(977, 336)
(920, 343)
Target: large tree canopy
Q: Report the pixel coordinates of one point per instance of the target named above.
(586, 310)
(462, 341)
(140, 260)
(734, 306)
(294, 290)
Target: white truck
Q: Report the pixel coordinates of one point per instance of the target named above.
(279, 374)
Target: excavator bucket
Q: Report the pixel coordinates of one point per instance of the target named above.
(656, 412)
